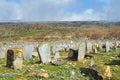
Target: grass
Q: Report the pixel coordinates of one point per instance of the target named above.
(24, 34)
(70, 70)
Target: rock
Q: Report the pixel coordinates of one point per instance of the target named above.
(42, 75)
(35, 54)
(33, 74)
(57, 63)
(104, 71)
(107, 73)
(6, 75)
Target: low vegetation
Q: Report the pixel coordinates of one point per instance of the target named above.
(70, 70)
(58, 30)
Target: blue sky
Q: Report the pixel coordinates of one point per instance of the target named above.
(59, 10)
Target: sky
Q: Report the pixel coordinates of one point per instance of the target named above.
(59, 10)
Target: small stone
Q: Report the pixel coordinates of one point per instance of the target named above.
(42, 75)
(72, 72)
(32, 75)
(56, 63)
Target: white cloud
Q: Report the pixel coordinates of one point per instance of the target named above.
(88, 14)
(55, 10)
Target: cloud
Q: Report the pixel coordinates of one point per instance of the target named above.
(87, 15)
(56, 10)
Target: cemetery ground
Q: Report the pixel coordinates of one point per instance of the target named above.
(70, 70)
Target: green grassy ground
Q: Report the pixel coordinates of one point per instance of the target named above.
(70, 70)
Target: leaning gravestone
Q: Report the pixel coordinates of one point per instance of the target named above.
(81, 51)
(89, 47)
(28, 50)
(107, 46)
(44, 53)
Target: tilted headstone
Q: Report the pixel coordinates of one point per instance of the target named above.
(81, 51)
(28, 50)
(89, 47)
(44, 53)
(107, 46)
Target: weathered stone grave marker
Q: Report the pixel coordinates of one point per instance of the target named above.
(107, 46)
(3, 52)
(12, 54)
(18, 63)
(44, 53)
(28, 50)
(89, 47)
(57, 55)
(73, 54)
(81, 51)
(100, 46)
(95, 48)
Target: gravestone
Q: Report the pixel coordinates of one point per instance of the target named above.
(3, 52)
(107, 46)
(89, 47)
(57, 55)
(73, 54)
(100, 46)
(28, 50)
(95, 48)
(18, 63)
(44, 53)
(12, 54)
(10, 58)
(81, 51)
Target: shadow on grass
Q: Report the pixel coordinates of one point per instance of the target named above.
(114, 62)
(92, 74)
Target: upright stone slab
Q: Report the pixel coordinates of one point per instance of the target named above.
(44, 52)
(57, 55)
(81, 51)
(100, 46)
(28, 50)
(89, 47)
(107, 46)
(73, 54)
(2, 52)
(12, 54)
(18, 63)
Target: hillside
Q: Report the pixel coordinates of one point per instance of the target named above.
(56, 30)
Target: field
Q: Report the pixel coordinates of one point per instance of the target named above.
(70, 70)
(48, 31)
